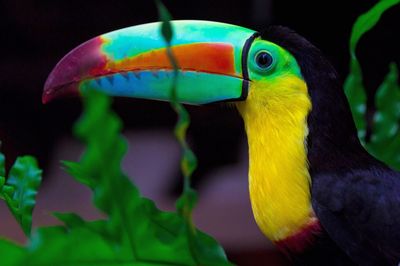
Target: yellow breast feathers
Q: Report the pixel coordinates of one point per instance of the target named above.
(275, 119)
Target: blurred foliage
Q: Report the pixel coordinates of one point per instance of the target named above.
(385, 136)
(188, 199)
(134, 231)
(20, 188)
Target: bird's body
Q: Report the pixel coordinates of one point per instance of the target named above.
(315, 192)
(355, 197)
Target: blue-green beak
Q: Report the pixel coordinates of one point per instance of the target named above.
(133, 62)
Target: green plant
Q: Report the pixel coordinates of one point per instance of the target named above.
(20, 188)
(385, 138)
(135, 232)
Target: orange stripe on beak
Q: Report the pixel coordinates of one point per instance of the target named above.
(217, 58)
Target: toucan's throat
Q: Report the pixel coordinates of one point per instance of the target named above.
(279, 182)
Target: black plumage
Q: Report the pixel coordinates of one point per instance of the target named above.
(355, 197)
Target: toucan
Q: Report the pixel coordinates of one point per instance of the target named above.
(315, 192)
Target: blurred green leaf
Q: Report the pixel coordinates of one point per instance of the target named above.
(367, 21)
(134, 231)
(188, 199)
(134, 223)
(20, 189)
(11, 253)
(387, 103)
(165, 18)
(384, 143)
(79, 246)
(385, 139)
(353, 85)
(167, 33)
(70, 220)
(357, 97)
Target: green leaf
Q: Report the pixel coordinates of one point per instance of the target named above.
(387, 103)
(385, 139)
(355, 92)
(80, 246)
(353, 85)
(12, 254)
(165, 17)
(134, 231)
(20, 190)
(367, 21)
(71, 220)
(134, 224)
(167, 33)
(188, 199)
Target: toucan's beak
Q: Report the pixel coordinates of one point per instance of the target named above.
(133, 62)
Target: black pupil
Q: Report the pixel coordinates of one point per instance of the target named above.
(264, 60)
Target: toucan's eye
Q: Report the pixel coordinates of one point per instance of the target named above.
(264, 60)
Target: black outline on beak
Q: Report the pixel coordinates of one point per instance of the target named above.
(245, 71)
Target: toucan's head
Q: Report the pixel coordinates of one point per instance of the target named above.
(217, 63)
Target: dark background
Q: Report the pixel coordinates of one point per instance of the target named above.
(36, 34)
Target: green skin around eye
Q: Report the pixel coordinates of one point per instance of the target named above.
(283, 62)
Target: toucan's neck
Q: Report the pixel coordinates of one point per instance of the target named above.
(279, 181)
(332, 143)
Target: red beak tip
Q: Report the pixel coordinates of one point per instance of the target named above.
(58, 92)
